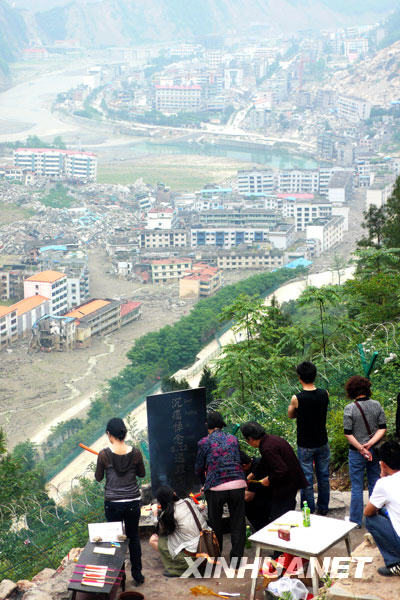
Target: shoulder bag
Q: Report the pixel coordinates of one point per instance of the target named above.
(208, 546)
(364, 419)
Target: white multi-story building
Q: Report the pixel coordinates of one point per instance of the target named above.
(358, 45)
(175, 98)
(8, 325)
(296, 181)
(163, 238)
(50, 162)
(328, 232)
(380, 190)
(250, 259)
(51, 285)
(159, 218)
(340, 188)
(353, 109)
(167, 269)
(226, 237)
(29, 311)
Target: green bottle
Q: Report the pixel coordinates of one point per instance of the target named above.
(248, 534)
(306, 515)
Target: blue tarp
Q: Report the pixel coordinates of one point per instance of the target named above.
(299, 262)
(57, 248)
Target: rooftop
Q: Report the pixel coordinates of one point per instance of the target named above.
(46, 277)
(128, 307)
(170, 261)
(24, 306)
(87, 309)
(6, 310)
(53, 151)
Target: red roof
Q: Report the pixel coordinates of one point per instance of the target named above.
(54, 150)
(128, 307)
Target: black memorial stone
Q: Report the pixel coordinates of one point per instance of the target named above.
(176, 422)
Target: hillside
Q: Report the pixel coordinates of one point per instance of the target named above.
(12, 39)
(116, 22)
(376, 79)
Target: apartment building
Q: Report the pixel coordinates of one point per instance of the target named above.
(328, 232)
(74, 265)
(159, 218)
(239, 217)
(226, 237)
(130, 311)
(163, 238)
(304, 209)
(169, 269)
(12, 280)
(201, 282)
(250, 259)
(356, 46)
(352, 109)
(296, 181)
(95, 317)
(282, 236)
(8, 325)
(50, 162)
(29, 311)
(379, 192)
(176, 98)
(340, 187)
(51, 285)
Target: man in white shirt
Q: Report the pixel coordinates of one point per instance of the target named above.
(383, 509)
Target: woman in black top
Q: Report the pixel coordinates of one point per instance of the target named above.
(121, 465)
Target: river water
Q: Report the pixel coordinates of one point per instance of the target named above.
(268, 155)
(25, 109)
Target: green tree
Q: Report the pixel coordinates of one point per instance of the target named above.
(391, 229)
(170, 384)
(210, 382)
(321, 297)
(374, 222)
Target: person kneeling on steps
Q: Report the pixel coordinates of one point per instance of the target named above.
(178, 534)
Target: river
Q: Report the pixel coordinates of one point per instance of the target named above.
(25, 109)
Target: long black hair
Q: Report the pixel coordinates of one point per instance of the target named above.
(166, 497)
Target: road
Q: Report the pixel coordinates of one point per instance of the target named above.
(25, 109)
(68, 477)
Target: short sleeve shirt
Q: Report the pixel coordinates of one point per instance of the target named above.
(353, 422)
(387, 493)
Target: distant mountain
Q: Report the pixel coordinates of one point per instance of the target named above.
(120, 22)
(13, 37)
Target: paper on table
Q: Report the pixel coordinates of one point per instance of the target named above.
(105, 532)
(101, 550)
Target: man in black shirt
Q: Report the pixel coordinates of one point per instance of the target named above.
(310, 407)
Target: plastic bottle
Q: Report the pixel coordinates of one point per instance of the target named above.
(248, 534)
(306, 515)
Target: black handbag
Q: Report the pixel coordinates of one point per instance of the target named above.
(208, 546)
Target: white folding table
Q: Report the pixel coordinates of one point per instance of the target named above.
(305, 542)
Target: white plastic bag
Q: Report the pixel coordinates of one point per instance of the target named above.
(287, 584)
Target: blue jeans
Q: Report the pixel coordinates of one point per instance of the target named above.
(320, 457)
(357, 467)
(387, 540)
